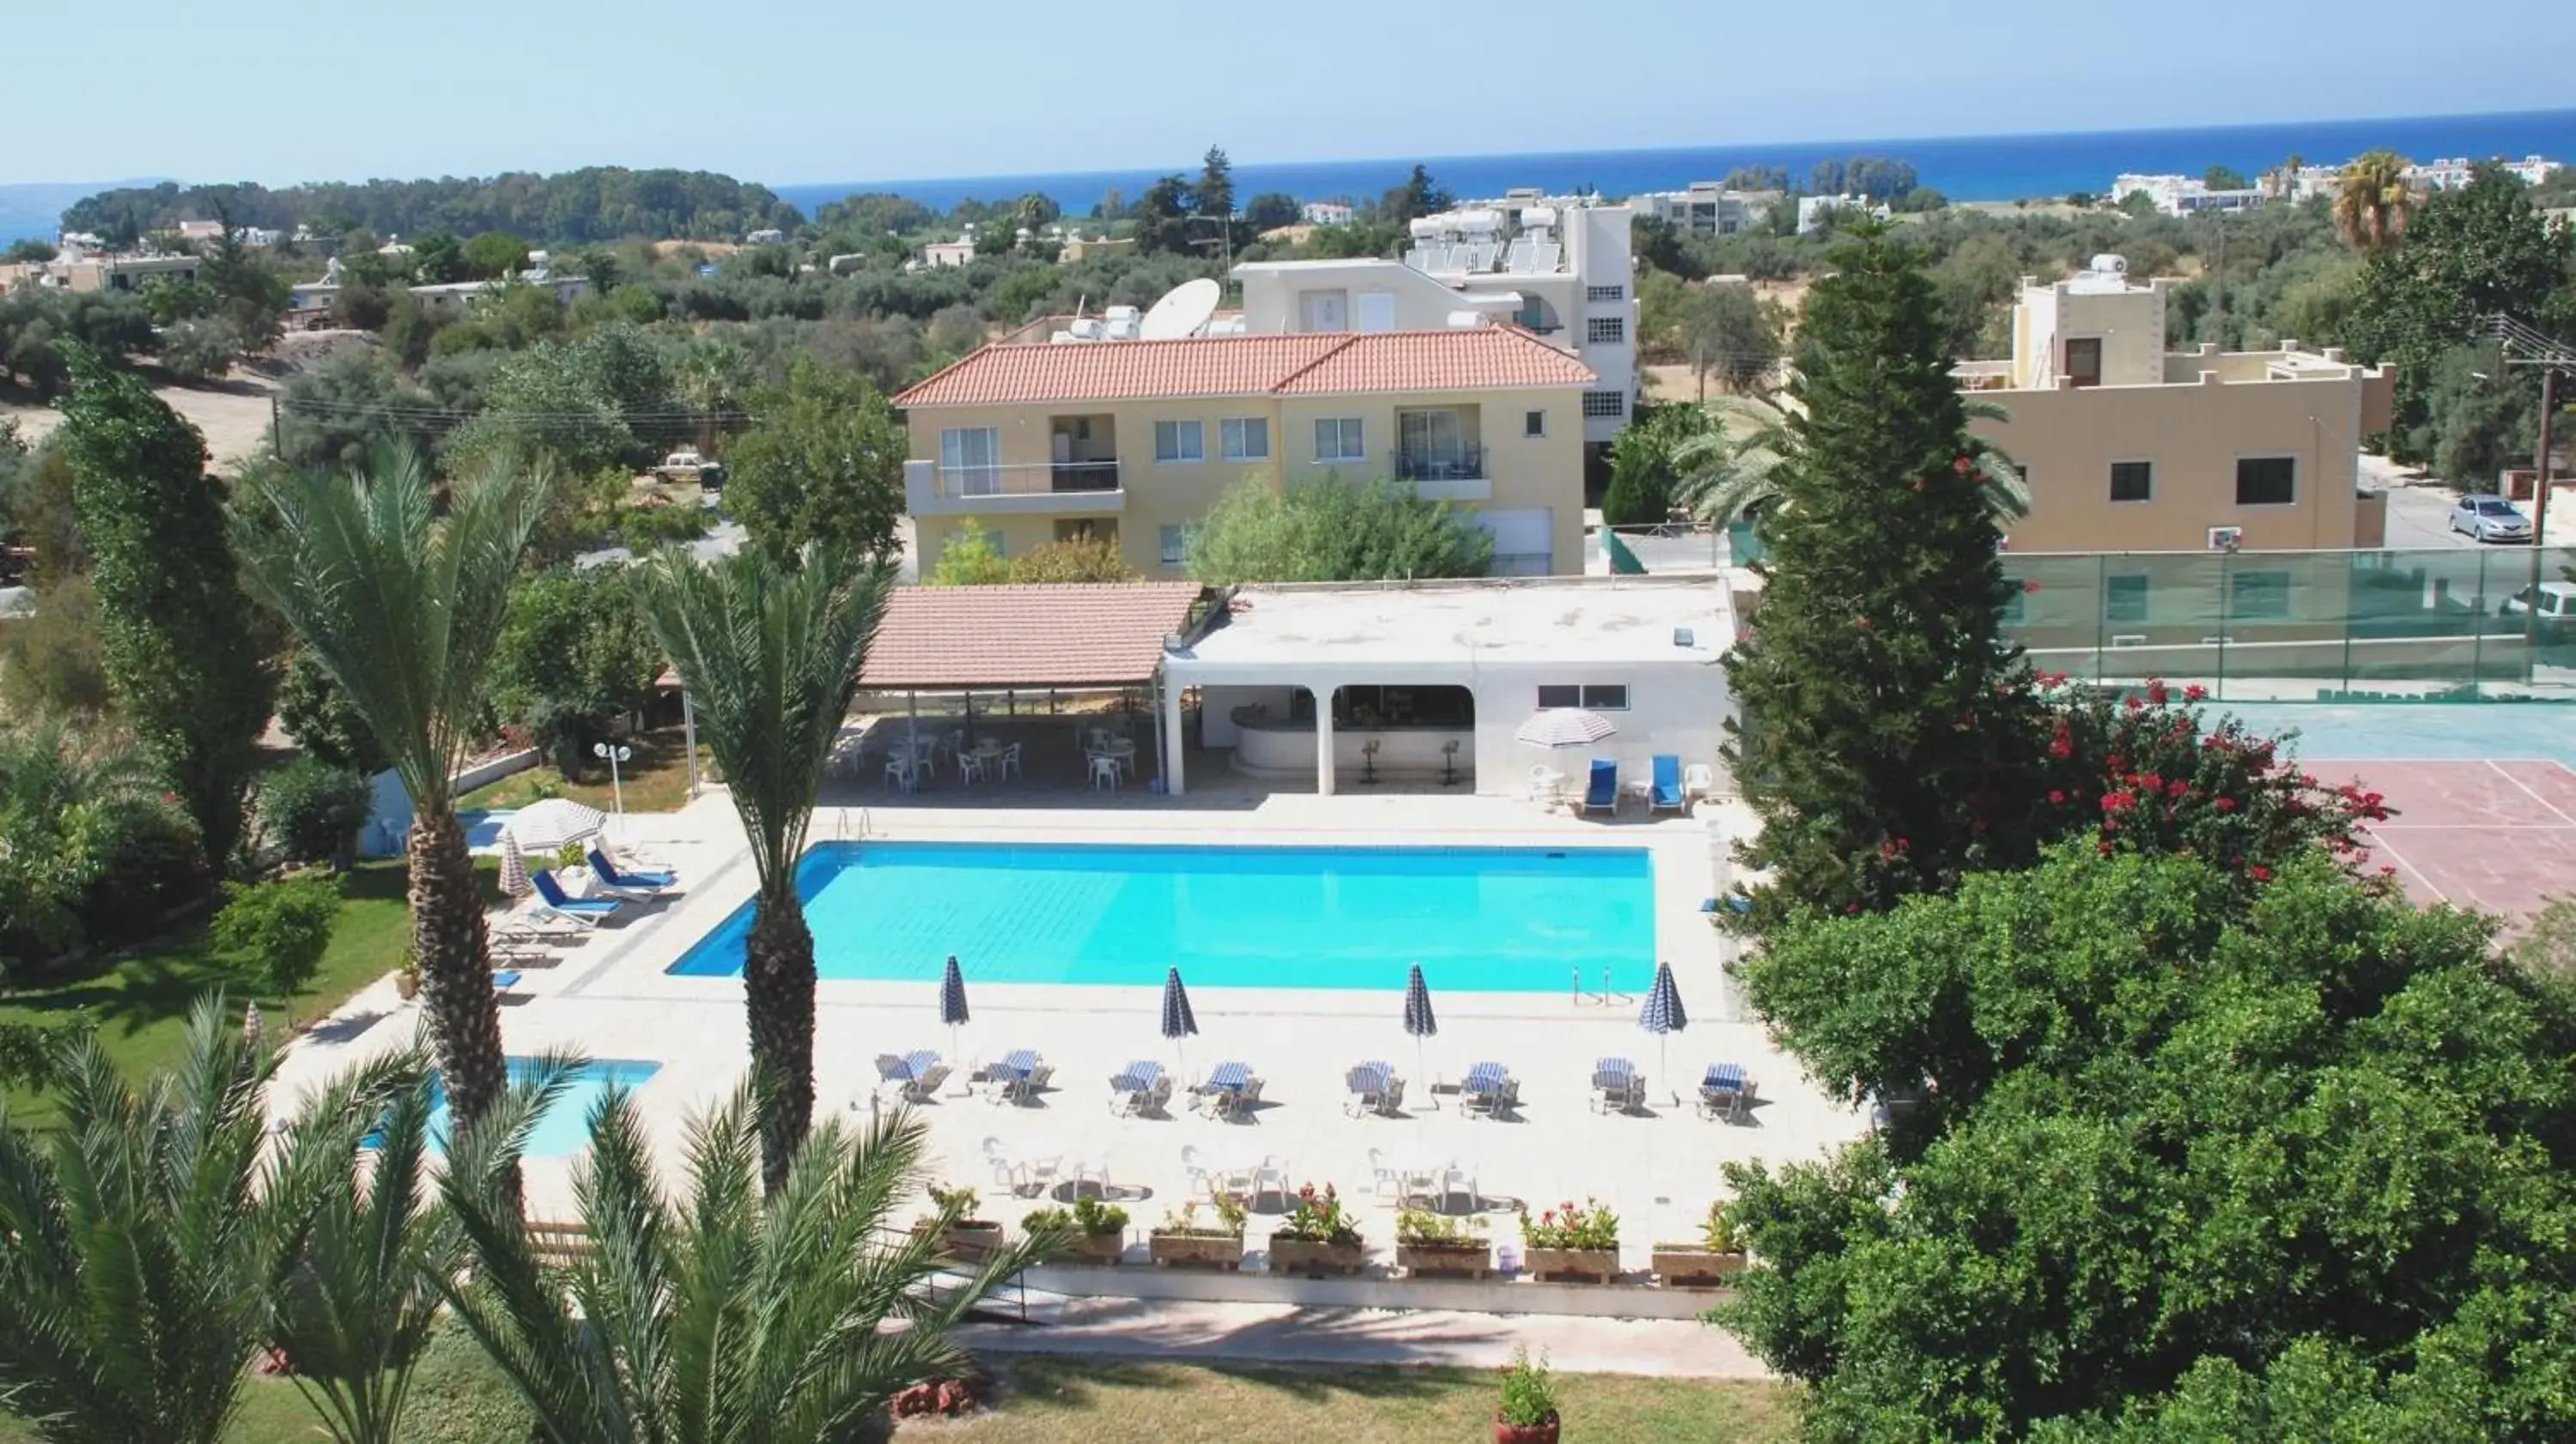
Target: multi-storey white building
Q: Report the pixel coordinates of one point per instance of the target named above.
(1325, 213)
(1708, 208)
(1558, 267)
(2452, 172)
(2182, 195)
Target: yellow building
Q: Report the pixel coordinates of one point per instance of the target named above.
(2130, 448)
(1136, 439)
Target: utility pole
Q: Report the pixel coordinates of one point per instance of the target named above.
(2520, 345)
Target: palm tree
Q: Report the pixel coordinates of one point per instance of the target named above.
(2372, 203)
(353, 1281)
(770, 657)
(403, 608)
(130, 1280)
(732, 1313)
(1725, 475)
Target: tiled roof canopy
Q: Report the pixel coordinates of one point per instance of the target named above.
(1481, 358)
(950, 639)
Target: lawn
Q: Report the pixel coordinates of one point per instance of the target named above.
(657, 780)
(457, 1399)
(141, 1003)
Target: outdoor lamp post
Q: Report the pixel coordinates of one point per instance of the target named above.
(615, 755)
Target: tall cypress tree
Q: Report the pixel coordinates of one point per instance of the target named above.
(178, 633)
(1886, 738)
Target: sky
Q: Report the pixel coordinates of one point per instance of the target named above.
(799, 91)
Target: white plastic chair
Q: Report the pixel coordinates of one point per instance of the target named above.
(970, 768)
(1007, 1171)
(1010, 763)
(1384, 1181)
(1194, 1172)
(900, 772)
(1104, 772)
(1698, 780)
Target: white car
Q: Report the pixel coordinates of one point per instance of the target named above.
(2557, 602)
(2488, 517)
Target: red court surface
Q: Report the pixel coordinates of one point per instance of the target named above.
(2497, 836)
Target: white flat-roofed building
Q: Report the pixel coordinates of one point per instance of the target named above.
(1325, 213)
(2182, 195)
(1429, 681)
(1707, 208)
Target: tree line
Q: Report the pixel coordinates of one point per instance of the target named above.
(596, 203)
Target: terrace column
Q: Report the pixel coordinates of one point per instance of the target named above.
(1173, 783)
(1323, 738)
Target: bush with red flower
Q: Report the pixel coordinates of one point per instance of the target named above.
(945, 1398)
(2148, 772)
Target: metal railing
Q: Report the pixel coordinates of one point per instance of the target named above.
(1456, 463)
(1028, 478)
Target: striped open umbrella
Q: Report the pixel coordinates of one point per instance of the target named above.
(514, 868)
(1663, 1016)
(1564, 727)
(1178, 1021)
(546, 825)
(1419, 1022)
(952, 1003)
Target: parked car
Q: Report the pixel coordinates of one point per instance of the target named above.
(2557, 602)
(2490, 518)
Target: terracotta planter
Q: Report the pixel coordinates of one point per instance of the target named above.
(1445, 1260)
(1299, 1256)
(1574, 1265)
(1543, 1432)
(969, 1242)
(1195, 1250)
(1687, 1266)
(407, 986)
(1104, 1249)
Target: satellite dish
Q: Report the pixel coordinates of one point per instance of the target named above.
(1184, 312)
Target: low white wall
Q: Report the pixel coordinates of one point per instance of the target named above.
(1216, 711)
(1375, 1290)
(389, 818)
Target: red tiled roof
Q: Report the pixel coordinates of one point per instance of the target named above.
(1474, 359)
(1073, 634)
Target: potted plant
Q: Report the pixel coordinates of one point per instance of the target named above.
(1528, 1412)
(1573, 1243)
(1708, 1264)
(572, 859)
(1181, 1239)
(407, 976)
(1097, 1231)
(963, 1237)
(1429, 1246)
(1318, 1237)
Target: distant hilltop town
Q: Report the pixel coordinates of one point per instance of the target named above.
(2182, 195)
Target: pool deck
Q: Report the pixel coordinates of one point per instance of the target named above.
(610, 996)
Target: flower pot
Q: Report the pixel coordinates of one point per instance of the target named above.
(1302, 1256)
(1689, 1266)
(970, 1241)
(1195, 1250)
(1445, 1260)
(1542, 1432)
(1574, 1265)
(1104, 1249)
(407, 986)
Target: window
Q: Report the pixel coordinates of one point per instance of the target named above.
(1244, 438)
(2267, 480)
(1337, 438)
(2124, 598)
(2258, 595)
(970, 460)
(1533, 423)
(2133, 481)
(1605, 403)
(1610, 329)
(1605, 293)
(1179, 441)
(2084, 360)
(1591, 696)
(1084, 528)
(1175, 545)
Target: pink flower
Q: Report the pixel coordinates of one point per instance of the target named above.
(2056, 794)
(2224, 804)
(2029, 587)
(2194, 693)
(1962, 466)
(2259, 873)
(2156, 690)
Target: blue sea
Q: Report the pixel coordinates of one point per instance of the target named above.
(1964, 168)
(1477, 919)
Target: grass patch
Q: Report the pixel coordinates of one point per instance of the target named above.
(1051, 1399)
(656, 780)
(141, 1003)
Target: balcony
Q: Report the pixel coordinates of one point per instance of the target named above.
(1041, 488)
(1452, 473)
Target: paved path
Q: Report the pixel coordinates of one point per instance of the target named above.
(1280, 1334)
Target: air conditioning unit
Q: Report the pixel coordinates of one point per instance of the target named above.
(2226, 538)
(2128, 639)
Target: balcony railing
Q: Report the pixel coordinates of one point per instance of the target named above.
(1458, 463)
(1021, 478)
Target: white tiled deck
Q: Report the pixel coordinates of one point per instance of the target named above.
(611, 997)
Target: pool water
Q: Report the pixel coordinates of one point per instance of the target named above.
(1477, 919)
(564, 1129)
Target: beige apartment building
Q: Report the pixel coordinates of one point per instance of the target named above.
(1135, 440)
(2128, 447)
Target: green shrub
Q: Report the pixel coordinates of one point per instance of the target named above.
(278, 931)
(31, 1053)
(311, 810)
(645, 528)
(460, 1397)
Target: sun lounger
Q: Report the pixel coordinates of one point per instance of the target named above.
(1720, 1090)
(504, 980)
(637, 882)
(553, 900)
(1666, 794)
(1603, 793)
(1140, 1088)
(1367, 1086)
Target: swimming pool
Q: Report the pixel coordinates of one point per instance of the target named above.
(1477, 919)
(564, 1129)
